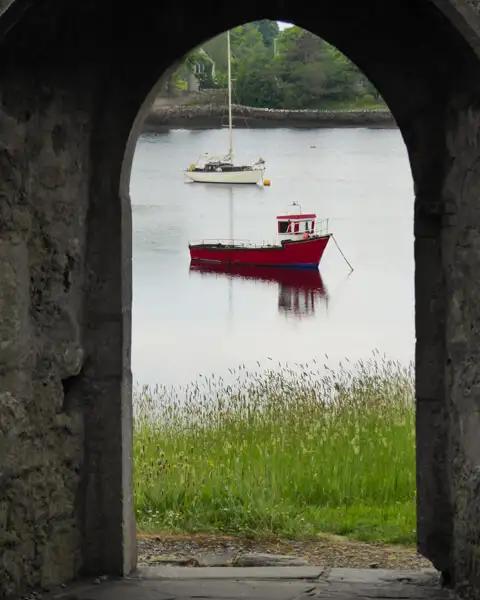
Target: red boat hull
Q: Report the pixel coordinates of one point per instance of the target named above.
(301, 254)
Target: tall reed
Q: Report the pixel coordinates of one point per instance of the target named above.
(284, 451)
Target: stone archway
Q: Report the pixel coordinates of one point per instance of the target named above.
(73, 78)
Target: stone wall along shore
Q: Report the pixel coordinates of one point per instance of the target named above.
(212, 116)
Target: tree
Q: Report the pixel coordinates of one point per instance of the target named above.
(312, 73)
(301, 67)
(306, 73)
(269, 30)
(290, 39)
(256, 84)
(246, 41)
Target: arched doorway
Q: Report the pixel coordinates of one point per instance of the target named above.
(74, 79)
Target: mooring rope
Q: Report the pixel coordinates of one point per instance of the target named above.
(340, 250)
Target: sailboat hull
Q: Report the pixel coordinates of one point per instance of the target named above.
(243, 176)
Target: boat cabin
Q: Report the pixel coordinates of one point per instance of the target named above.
(296, 226)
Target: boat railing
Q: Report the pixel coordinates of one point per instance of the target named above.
(233, 242)
(321, 227)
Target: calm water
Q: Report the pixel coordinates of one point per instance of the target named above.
(186, 323)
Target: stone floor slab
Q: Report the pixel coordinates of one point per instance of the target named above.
(227, 589)
(377, 576)
(290, 583)
(278, 573)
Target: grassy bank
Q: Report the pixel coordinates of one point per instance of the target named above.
(283, 453)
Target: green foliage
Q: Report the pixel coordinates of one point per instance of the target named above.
(256, 85)
(216, 48)
(281, 452)
(206, 79)
(312, 72)
(189, 65)
(246, 42)
(269, 30)
(291, 69)
(192, 58)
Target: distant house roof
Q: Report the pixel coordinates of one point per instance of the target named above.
(202, 51)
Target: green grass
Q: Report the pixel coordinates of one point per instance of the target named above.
(286, 453)
(361, 103)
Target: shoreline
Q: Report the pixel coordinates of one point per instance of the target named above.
(211, 116)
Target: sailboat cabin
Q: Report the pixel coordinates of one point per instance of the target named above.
(296, 226)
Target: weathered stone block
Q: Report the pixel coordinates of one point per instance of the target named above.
(110, 345)
(13, 414)
(434, 511)
(108, 474)
(475, 4)
(42, 245)
(429, 318)
(10, 571)
(60, 556)
(14, 304)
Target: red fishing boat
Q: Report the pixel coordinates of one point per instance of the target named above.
(301, 242)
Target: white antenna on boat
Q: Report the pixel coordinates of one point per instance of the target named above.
(297, 204)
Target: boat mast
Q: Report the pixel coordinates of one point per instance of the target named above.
(229, 72)
(230, 279)
(231, 213)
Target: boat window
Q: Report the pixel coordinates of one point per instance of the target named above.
(297, 228)
(283, 226)
(306, 226)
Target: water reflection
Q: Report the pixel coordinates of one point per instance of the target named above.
(299, 290)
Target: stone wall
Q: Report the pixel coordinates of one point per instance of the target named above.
(68, 126)
(43, 203)
(213, 115)
(461, 256)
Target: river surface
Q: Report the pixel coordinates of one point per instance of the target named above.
(187, 323)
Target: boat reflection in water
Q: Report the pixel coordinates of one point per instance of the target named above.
(299, 290)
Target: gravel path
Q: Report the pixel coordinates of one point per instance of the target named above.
(330, 551)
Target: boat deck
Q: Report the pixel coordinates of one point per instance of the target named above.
(249, 245)
(222, 168)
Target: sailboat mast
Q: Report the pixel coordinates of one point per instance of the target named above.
(230, 279)
(231, 213)
(229, 71)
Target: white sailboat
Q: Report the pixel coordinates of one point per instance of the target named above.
(213, 169)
